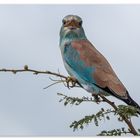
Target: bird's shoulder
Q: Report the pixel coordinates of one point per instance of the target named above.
(89, 54)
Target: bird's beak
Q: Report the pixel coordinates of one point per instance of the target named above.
(72, 24)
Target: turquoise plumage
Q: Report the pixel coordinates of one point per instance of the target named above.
(84, 62)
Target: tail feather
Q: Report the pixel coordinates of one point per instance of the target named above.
(128, 101)
(131, 102)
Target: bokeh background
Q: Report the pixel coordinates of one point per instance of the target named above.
(29, 35)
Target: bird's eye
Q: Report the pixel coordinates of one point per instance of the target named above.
(64, 22)
(80, 23)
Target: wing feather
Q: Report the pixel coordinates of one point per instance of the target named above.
(93, 67)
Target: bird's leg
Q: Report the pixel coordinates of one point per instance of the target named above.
(96, 98)
(71, 80)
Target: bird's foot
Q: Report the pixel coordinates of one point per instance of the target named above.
(96, 98)
(71, 81)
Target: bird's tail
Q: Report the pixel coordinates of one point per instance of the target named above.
(131, 102)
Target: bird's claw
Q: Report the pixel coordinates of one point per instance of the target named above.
(71, 82)
(96, 98)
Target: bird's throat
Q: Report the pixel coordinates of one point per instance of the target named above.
(70, 36)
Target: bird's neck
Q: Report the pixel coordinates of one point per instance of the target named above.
(71, 37)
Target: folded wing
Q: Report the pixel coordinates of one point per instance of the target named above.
(92, 66)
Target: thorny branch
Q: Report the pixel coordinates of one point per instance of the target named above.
(74, 83)
(127, 121)
(26, 69)
(75, 100)
(63, 79)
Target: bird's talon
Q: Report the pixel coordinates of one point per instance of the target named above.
(96, 98)
(71, 82)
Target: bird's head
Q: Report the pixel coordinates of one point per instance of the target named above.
(72, 28)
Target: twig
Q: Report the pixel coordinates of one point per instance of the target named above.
(36, 72)
(53, 84)
(131, 127)
(26, 69)
(83, 99)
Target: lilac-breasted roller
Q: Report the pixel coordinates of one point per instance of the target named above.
(84, 62)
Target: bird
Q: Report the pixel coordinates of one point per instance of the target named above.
(86, 64)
